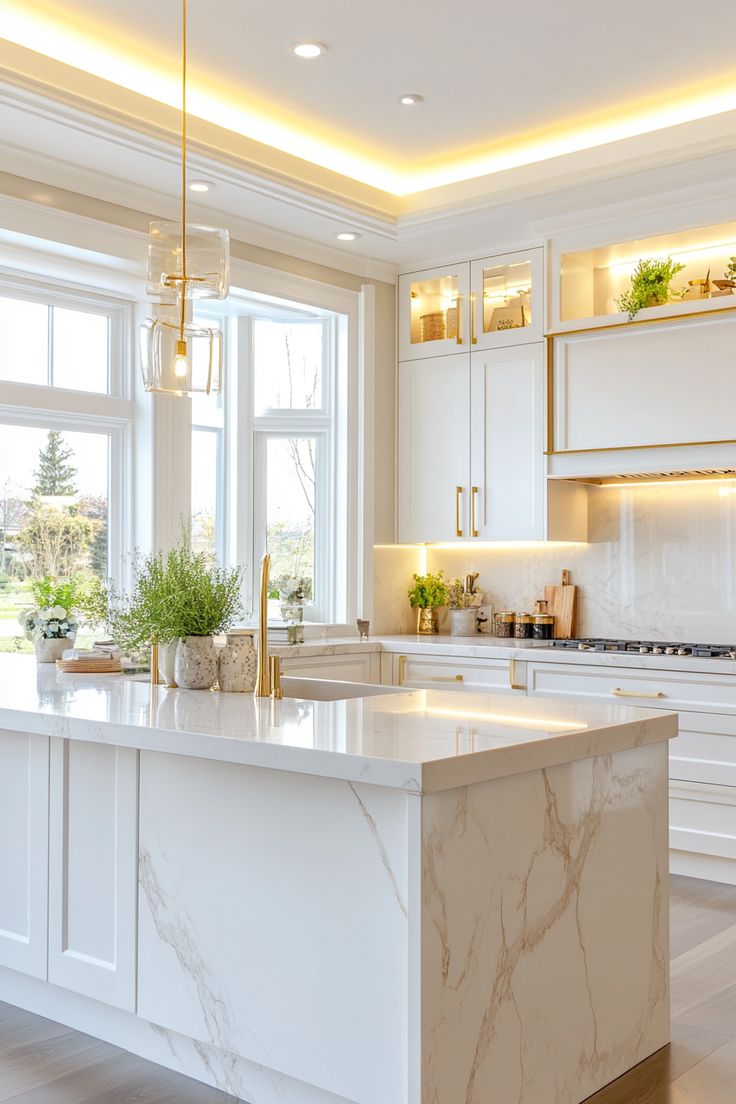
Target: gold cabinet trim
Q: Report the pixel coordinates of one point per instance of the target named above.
(550, 339)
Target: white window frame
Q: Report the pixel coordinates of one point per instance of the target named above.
(65, 409)
(244, 509)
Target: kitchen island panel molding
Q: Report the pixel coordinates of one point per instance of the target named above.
(24, 841)
(93, 832)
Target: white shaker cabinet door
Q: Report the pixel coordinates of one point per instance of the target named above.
(434, 449)
(24, 823)
(93, 870)
(508, 492)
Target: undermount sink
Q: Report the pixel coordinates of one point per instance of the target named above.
(314, 689)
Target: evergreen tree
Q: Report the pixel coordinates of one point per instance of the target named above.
(55, 475)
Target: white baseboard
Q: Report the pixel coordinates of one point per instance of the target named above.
(712, 868)
(246, 1080)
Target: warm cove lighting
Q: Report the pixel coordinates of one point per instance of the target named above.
(48, 34)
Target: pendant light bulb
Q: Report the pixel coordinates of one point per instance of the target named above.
(181, 365)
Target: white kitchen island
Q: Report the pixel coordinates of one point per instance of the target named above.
(412, 898)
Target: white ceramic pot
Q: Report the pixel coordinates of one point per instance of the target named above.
(195, 667)
(236, 664)
(167, 663)
(463, 622)
(49, 649)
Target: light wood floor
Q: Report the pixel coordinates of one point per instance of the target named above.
(44, 1063)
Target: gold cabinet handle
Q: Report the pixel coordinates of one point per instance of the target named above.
(619, 693)
(401, 671)
(512, 676)
(473, 494)
(458, 527)
(445, 678)
(459, 335)
(473, 336)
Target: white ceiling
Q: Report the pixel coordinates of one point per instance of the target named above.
(489, 72)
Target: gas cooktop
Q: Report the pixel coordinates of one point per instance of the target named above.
(647, 647)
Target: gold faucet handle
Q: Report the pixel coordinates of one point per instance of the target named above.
(275, 672)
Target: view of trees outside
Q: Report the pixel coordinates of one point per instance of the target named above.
(53, 514)
(289, 362)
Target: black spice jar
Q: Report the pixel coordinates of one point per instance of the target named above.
(523, 626)
(543, 627)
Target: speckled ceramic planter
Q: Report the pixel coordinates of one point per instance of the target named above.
(462, 622)
(236, 664)
(195, 667)
(48, 650)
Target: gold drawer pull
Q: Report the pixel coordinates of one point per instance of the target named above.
(619, 693)
(473, 496)
(458, 527)
(512, 676)
(445, 678)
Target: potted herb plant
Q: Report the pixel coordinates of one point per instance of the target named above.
(651, 285)
(60, 605)
(427, 594)
(463, 603)
(180, 600)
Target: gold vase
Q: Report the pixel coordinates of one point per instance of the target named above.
(427, 622)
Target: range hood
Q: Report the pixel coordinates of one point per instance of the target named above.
(632, 479)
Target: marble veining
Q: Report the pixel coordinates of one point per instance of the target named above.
(550, 979)
(385, 860)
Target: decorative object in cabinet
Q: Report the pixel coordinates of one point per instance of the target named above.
(432, 315)
(506, 299)
(592, 279)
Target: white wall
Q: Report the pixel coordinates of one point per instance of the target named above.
(661, 563)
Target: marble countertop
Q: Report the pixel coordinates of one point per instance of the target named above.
(483, 646)
(420, 741)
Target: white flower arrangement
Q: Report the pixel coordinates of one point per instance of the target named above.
(53, 623)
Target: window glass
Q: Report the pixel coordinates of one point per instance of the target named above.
(205, 472)
(53, 515)
(289, 359)
(24, 352)
(291, 483)
(80, 350)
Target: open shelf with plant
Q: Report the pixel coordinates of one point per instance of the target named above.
(685, 272)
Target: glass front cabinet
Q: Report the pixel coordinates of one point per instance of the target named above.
(484, 304)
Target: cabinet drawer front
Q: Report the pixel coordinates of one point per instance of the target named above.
(705, 750)
(644, 688)
(341, 668)
(428, 672)
(703, 821)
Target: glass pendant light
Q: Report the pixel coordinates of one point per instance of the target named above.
(185, 262)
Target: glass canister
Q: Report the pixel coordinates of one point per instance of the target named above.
(505, 624)
(523, 626)
(543, 627)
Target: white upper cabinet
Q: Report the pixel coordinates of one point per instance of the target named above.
(434, 449)
(434, 312)
(507, 444)
(507, 299)
(649, 386)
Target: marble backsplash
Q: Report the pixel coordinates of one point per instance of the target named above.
(660, 564)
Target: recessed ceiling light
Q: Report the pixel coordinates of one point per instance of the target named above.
(308, 49)
(347, 235)
(410, 98)
(200, 186)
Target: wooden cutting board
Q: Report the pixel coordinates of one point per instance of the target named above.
(562, 602)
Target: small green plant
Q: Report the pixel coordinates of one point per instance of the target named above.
(428, 591)
(60, 605)
(177, 594)
(730, 273)
(650, 285)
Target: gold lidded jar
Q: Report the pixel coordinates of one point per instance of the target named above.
(505, 622)
(543, 628)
